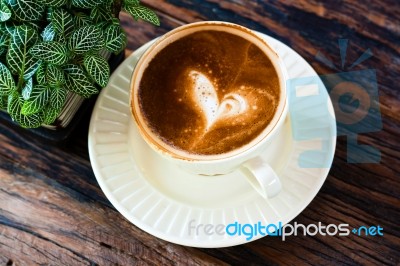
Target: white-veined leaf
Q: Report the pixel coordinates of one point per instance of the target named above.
(39, 98)
(53, 3)
(51, 52)
(5, 12)
(102, 25)
(76, 80)
(60, 38)
(34, 25)
(31, 69)
(81, 19)
(87, 4)
(48, 34)
(58, 97)
(14, 103)
(9, 2)
(19, 61)
(9, 26)
(27, 10)
(101, 13)
(98, 68)
(86, 39)
(50, 115)
(62, 21)
(3, 103)
(27, 89)
(3, 28)
(115, 38)
(142, 12)
(14, 108)
(7, 83)
(4, 39)
(115, 21)
(131, 2)
(30, 121)
(41, 74)
(54, 76)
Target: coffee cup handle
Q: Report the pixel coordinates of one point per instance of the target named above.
(262, 177)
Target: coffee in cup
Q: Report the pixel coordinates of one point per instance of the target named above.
(208, 96)
(210, 92)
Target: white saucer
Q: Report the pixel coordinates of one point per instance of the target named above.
(161, 199)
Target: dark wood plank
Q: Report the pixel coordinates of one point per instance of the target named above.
(53, 212)
(43, 216)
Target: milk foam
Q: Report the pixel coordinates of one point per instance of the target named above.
(206, 99)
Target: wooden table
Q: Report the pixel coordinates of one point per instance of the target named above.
(52, 210)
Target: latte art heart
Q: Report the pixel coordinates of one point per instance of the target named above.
(206, 98)
(209, 93)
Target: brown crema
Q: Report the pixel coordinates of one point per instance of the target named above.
(209, 93)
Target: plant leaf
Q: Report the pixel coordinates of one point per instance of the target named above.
(3, 28)
(3, 103)
(115, 39)
(27, 10)
(87, 3)
(142, 12)
(7, 84)
(5, 12)
(86, 39)
(101, 13)
(98, 68)
(41, 74)
(76, 80)
(9, 26)
(62, 21)
(53, 3)
(48, 34)
(51, 52)
(19, 61)
(27, 89)
(39, 98)
(60, 38)
(131, 2)
(54, 76)
(14, 107)
(14, 104)
(51, 114)
(34, 25)
(81, 19)
(31, 69)
(102, 25)
(58, 97)
(4, 40)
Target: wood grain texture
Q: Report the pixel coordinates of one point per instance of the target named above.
(53, 212)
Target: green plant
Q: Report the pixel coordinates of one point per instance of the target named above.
(50, 47)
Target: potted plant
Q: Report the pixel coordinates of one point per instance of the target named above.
(54, 50)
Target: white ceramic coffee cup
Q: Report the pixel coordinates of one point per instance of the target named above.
(247, 158)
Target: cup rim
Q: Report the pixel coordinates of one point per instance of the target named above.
(252, 145)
